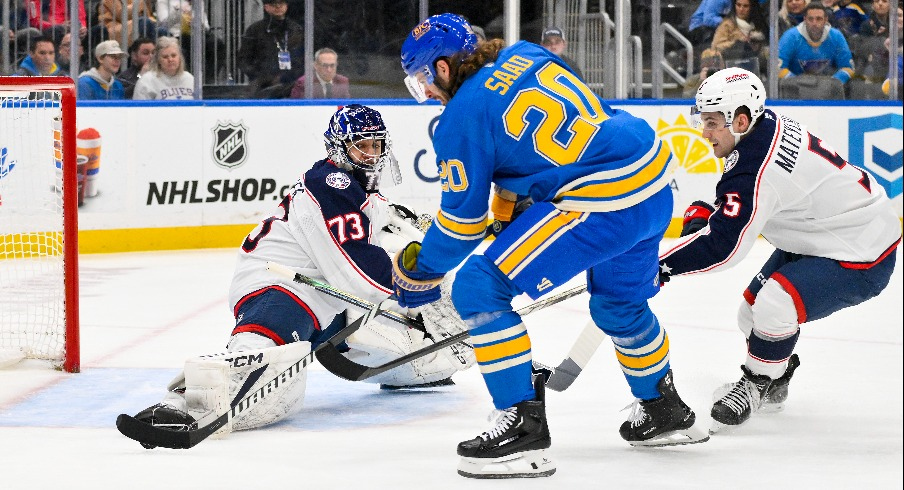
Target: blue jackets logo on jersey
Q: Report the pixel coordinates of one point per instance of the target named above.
(731, 160)
(881, 154)
(338, 180)
(230, 144)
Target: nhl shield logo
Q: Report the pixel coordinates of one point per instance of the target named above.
(230, 148)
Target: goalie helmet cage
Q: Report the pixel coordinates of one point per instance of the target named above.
(39, 197)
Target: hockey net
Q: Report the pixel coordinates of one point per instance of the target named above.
(38, 220)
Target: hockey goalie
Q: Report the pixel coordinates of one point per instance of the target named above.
(335, 226)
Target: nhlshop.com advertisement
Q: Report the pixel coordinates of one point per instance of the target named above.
(203, 174)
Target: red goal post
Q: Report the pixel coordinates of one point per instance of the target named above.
(39, 295)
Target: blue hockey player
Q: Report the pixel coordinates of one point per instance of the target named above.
(520, 118)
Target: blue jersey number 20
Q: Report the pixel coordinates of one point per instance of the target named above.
(550, 99)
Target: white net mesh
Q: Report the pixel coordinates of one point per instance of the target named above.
(32, 305)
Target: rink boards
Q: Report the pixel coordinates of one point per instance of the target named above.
(200, 174)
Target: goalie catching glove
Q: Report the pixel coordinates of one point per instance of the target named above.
(442, 321)
(376, 343)
(412, 287)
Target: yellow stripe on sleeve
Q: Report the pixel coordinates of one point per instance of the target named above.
(625, 186)
(475, 227)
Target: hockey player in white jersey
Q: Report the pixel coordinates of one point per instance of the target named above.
(334, 226)
(834, 230)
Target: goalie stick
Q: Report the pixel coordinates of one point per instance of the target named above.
(183, 439)
(558, 379)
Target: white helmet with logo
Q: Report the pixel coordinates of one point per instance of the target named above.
(726, 90)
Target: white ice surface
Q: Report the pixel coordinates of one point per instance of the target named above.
(143, 314)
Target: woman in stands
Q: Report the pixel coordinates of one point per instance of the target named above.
(167, 78)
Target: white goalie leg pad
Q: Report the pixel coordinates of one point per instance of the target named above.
(212, 383)
(207, 390)
(527, 464)
(443, 321)
(377, 343)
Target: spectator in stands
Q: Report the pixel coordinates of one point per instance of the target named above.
(327, 84)
(814, 47)
(100, 83)
(17, 31)
(790, 15)
(742, 32)
(140, 53)
(554, 40)
(64, 54)
(877, 22)
(847, 16)
(166, 79)
(52, 17)
(711, 61)
(870, 52)
(110, 18)
(886, 85)
(41, 60)
(705, 20)
(272, 52)
(176, 17)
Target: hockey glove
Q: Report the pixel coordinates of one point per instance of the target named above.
(696, 217)
(665, 273)
(422, 222)
(506, 207)
(442, 321)
(412, 287)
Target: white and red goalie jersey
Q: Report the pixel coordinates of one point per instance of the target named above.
(326, 228)
(787, 185)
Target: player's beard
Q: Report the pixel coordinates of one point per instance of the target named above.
(443, 92)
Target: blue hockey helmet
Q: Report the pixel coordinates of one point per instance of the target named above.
(352, 126)
(443, 35)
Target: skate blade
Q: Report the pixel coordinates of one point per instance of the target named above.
(527, 464)
(692, 435)
(772, 407)
(720, 428)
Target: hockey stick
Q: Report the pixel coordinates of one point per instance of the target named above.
(325, 288)
(183, 439)
(333, 360)
(560, 377)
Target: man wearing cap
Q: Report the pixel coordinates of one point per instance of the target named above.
(554, 41)
(100, 83)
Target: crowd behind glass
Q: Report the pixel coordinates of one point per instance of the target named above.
(256, 48)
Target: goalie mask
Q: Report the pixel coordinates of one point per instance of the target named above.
(725, 91)
(357, 141)
(440, 36)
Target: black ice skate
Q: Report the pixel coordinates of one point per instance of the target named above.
(778, 390)
(744, 398)
(663, 421)
(515, 447)
(433, 384)
(161, 415)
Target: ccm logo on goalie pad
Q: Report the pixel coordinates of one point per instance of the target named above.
(240, 361)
